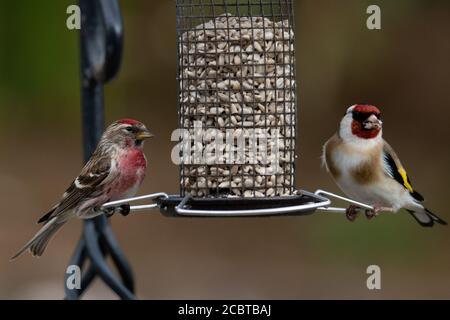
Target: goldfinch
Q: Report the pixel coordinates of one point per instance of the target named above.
(366, 168)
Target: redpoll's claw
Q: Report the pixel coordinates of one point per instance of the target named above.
(109, 212)
(124, 209)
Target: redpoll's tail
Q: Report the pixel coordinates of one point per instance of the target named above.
(426, 218)
(40, 240)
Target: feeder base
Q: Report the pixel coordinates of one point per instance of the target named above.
(304, 203)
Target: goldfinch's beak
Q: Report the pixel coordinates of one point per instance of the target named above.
(372, 123)
(144, 134)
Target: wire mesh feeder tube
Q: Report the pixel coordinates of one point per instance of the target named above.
(237, 101)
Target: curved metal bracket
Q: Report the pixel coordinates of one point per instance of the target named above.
(335, 209)
(319, 200)
(117, 205)
(101, 39)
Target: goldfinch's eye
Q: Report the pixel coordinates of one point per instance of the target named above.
(359, 116)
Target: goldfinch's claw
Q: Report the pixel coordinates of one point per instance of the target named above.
(371, 213)
(352, 212)
(376, 211)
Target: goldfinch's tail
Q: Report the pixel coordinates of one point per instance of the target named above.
(426, 218)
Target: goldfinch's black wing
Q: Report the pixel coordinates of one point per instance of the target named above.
(394, 168)
(86, 185)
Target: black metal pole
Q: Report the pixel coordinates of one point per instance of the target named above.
(101, 38)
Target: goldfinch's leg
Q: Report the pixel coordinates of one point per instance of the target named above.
(352, 212)
(371, 213)
(376, 211)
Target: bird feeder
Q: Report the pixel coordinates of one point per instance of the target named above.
(237, 109)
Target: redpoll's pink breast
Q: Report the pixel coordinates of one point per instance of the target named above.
(132, 166)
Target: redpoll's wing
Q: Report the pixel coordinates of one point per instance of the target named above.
(394, 168)
(47, 215)
(87, 185)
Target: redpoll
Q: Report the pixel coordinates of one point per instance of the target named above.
(367, 169)
(115, 171)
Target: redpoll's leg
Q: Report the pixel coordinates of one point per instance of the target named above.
(106, 211)
(376, 211)
(109, 212)
(352, 212)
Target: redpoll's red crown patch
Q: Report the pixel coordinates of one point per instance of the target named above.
(131, 122)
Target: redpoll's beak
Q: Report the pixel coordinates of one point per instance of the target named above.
(144, 134)
(372, 123)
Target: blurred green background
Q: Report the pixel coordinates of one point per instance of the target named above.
(404, 69)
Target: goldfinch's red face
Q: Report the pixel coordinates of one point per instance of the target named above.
(362, 121)
(366, 122)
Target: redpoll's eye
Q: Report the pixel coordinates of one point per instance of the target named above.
(129, 129)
